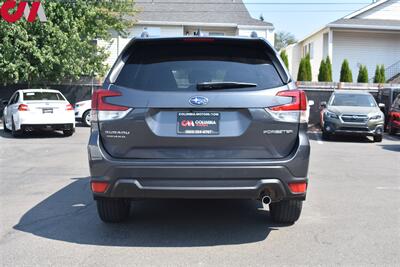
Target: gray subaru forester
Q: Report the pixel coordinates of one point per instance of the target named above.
(199, 118)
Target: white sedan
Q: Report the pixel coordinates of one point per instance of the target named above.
(82, 111)
(38, 109)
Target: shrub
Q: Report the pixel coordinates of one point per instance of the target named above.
(380, 74)
(346, 75)
(323, 71)
(285, 58)
(383, 75)
(328, 69)
(363, 74)
(302, 75)
(308, 68)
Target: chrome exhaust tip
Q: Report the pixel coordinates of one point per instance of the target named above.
(266, 200)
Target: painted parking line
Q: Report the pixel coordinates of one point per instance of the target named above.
(388, 188)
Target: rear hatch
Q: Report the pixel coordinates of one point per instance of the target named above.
(198, 99)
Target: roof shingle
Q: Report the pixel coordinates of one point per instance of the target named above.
(196, 11)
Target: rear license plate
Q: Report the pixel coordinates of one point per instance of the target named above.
(198, 123)
(47, 110)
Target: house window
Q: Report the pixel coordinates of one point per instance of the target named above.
(308, 49)
(311, 50)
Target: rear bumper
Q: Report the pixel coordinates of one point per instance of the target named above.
(199, 179)
(23, 121)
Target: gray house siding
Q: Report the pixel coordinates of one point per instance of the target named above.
(366, 48)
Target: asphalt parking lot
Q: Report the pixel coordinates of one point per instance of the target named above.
(48, 218)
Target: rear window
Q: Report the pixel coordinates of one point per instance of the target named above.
(180, 67)
(39, 96)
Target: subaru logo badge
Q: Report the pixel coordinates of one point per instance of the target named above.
(198, 101)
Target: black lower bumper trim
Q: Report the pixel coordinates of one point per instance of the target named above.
(55, 127)
(199, 189)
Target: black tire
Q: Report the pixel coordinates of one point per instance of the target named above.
(378, 138)
(287, 211)
(68, 132)
(85, 118)
(391, 130)
(14, 132)
(325, 135)
(4, 126)
(112, 210)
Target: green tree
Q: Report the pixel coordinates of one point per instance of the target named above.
(383, 74)
(322, 75)
(285, 58)
(308, 67)
(345, 73)
(329, 77)
(378, 78)
(302, 73)
(63, 47)
(283, 39)
(363, 74)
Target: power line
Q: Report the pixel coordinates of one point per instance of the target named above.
(213, 11)
(251, 3)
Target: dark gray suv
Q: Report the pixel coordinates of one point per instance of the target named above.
(199, 118)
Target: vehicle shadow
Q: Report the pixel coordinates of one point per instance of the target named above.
(317, 136)
(81, 125)
(70, 215)
(349, 139)
(394, 148)
(33, 135)
(392, 137)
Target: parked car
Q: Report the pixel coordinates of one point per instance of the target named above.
(354, 113)
(82, 112)
(393, 125)
(38, 109)
(199, 118)
(3, 103)
(387, 97)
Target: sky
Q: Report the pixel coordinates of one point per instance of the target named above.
(299, 18)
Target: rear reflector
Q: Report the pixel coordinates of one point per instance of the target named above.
(298, 187)
(23, 107)
(99, 103)
(99, 187)
(299, 101)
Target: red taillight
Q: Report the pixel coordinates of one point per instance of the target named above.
(23, 107)
(98, 101)
(99, 187)
(298, 187)
(395, 116)
(69, 107)
(299, 101)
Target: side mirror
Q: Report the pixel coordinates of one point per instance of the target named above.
(381, 105)
(323, 104)
(311, 103)
(4, 102)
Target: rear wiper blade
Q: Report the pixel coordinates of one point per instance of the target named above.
(223, 85)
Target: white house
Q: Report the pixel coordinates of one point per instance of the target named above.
(169, 18)
(369, 36)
